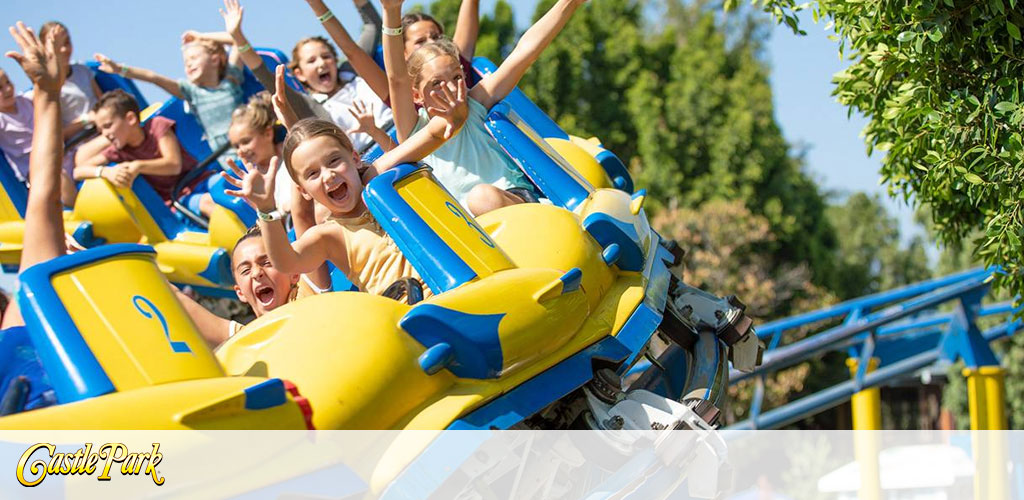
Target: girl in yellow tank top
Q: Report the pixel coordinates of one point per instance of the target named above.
(320, 159)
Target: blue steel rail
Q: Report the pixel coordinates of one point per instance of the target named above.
(900, 327)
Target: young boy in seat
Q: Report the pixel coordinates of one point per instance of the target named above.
(150, 150)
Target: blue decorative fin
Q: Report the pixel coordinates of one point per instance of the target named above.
(473, 338)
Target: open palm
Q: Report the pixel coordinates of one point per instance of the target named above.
(255, 185)
(38, 59)
(232, 14)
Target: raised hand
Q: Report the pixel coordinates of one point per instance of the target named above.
(282, 108)
(255, 185)
(37, 58)
(392, 4)
(232, 14)
(107, 64)
(451, 106)
(363, 114)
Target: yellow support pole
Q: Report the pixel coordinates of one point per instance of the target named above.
(986, 397)
(867, 404)
(867, 422)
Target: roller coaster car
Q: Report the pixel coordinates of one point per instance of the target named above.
(541, 317)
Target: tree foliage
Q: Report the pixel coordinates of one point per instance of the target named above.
(870, 257)
(940, 82)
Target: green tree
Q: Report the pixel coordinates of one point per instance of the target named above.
(940, 83)
(870, 257)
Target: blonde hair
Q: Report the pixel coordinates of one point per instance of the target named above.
(311, 128)
(428, 52)
(214, 49)
(257, 114)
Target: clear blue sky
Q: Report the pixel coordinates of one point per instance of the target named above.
(146, 34)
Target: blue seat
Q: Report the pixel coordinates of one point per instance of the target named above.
(110, 81)
(558, 182)
(272, 58)
(545, 127)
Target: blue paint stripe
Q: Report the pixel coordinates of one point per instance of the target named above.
(540, 391)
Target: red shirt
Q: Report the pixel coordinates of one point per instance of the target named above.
(149, 149)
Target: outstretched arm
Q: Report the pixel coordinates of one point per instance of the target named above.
(214, 329)
(169, 85)
(497, 86)
(467, 28)
(369, 37)
(361, 62)
(232, 14)
(257, 188)
(44, 225)
(399, 83)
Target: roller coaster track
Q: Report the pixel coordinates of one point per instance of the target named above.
(906, 329)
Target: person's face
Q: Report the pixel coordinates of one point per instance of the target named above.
(254, 147)
(257, 282)
(419, 33)
(62, 42)
(328, 174)
(200, 65)
(438, 73)
(6, 91)
(118, 129)
(317, 67)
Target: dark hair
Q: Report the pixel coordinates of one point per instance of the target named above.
(294, 63)
(252, 232)
(48, 26)
(415, 17)
(118, 101)
(306, 129)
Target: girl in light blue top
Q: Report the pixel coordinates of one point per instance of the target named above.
(470, 164)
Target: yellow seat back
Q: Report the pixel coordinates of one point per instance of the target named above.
(106, 319)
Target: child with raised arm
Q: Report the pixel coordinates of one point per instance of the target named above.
(320, 159)
(419, 28)
(150, 150)
(212, 87)
(471, 165)
(22, 380)
(315, 64)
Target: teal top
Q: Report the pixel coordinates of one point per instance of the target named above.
(472, 157)
(212, 106)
